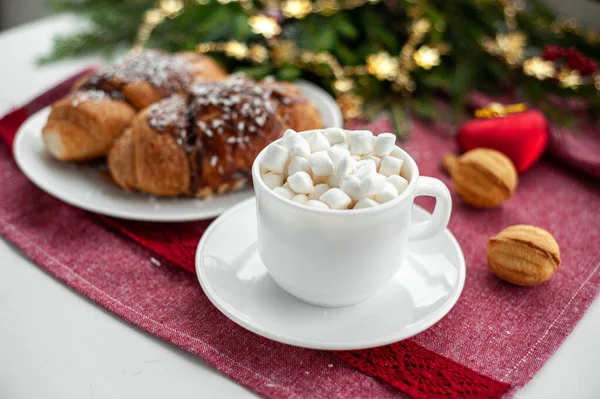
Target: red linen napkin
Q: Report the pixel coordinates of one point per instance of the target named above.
(496, 335)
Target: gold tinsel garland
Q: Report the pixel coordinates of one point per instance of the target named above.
(382, 65)
(511, 48)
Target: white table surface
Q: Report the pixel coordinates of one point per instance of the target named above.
(56, 344)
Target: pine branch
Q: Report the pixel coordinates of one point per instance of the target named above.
(350, 36)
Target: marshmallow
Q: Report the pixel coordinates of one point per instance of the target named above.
(317, 204)
(321, 164)
(396, 152)
(372, 184)
(289, 132)
(334, 180)
(284, 192)
(373, 158)
(332, 169)
(384, 144)
(336, 154)
(399, 182)
(296, 145)
(335, 135)
(273, 180)
(320, 180)
(343, 146)
(301, 183)
(351, 186)
(388, 193)
(298, 164)
(316, 140)
(336, 199)
(346, 166)
(366, 162)
(361, 141)
(300, 198)
(365, 203)
(365, 168)
(390, 166)
(318, 191)
(275, 158)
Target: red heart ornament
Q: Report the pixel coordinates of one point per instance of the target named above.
(522, 136)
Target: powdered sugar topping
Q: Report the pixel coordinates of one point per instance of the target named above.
(245, 105)
(170, 114)
(88, 96)
(159, 69)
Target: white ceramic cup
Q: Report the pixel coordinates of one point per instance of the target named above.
(341, 257)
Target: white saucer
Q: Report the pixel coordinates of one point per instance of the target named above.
(85, 186)
(237, 283)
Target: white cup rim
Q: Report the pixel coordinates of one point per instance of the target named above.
(414, 176)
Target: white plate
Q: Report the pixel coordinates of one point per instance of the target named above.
(85, 186)
(238, 284)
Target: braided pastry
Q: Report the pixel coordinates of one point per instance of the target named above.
(205, 144)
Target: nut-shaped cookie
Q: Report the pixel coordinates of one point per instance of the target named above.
(523, 255)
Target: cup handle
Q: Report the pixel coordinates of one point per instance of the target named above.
(432, 187)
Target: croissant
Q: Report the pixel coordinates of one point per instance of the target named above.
(85, 124)
(131, 84)
(145, 78)
(150, 156)
(203, 145)
(294, 109)
(203, 67)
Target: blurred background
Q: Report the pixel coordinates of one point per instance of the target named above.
(16, 12)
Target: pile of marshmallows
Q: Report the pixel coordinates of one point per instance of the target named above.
(335, 169)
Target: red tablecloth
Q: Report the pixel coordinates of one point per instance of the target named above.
(495, 339)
